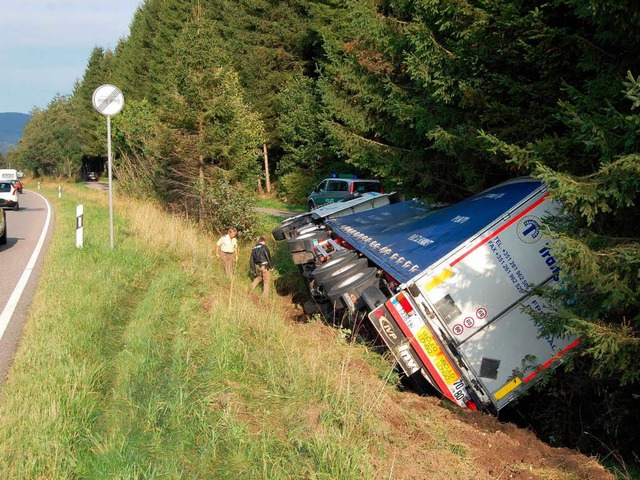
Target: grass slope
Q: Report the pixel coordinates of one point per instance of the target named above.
(145, 362)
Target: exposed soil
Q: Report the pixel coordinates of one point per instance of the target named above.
(491, 449)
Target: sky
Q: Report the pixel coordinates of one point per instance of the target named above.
(45, 45)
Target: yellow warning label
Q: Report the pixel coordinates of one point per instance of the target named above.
(435, 281)
(436, 355)
(506, 388)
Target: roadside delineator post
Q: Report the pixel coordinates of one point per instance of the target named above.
(79, 226)
(59, 191)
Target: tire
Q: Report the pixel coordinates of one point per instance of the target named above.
(16, 206)
(278, 233)
(353, 285)
(306, 229)
(299, 224)
(306, 242)
(3, 238)
(327, 281)
(311, 206)
(335, 262)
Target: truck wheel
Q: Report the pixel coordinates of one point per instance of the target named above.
(335, 262)
(3, 238)
(335, 276)
(290, 225)
(278, 233)
(353, 284)
(306, 241)
(306, 229)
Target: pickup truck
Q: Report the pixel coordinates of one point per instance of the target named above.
(447, 290)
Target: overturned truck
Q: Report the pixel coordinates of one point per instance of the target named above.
(448, 290)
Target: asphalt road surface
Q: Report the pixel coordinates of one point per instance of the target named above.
(28, 235)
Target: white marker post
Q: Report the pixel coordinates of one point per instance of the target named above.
(79, 226)
(108, 100)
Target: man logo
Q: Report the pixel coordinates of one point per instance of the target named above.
(529, 229)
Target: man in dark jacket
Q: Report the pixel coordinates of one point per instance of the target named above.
(260, 264)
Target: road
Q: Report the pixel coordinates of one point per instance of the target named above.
(28, 235)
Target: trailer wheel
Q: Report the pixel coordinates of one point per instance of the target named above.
(335, 262)
(289, 227)
(306, 241)
(353, 285)
(333, 277)
(278, 233)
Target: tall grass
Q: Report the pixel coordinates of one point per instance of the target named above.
(145, 362)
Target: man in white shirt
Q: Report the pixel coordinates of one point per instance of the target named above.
(227, 248)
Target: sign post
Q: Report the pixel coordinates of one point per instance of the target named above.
(108, 100)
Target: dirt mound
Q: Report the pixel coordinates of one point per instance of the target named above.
(429, 435)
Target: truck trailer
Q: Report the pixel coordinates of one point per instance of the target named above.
(448, 290)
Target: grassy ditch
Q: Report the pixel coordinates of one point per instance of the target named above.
(144, 362)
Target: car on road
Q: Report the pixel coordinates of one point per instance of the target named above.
(3, 225)
(339, 187)
(92, 176)
(18, 184)
(9, 193)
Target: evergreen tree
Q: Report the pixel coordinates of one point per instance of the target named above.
(51, 144)
(89, 119)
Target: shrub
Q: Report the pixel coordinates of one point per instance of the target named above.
(294, 187)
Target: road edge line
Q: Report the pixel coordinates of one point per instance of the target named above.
(12, 303)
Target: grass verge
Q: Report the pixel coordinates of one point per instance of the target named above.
(144, 361)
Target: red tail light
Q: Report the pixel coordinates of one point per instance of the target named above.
(471, 405)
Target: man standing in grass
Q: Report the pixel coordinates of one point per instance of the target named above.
(227, 248)
(260, 264)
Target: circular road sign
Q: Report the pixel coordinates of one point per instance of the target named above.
(108, 100)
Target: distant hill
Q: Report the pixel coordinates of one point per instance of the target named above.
(11, 126)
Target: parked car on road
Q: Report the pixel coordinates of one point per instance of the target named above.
(339, 187)
(9, 193)
(18, 184)
(92, 176)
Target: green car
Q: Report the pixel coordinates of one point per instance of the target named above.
(338, 188)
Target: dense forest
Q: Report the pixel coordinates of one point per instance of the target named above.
(438, 98)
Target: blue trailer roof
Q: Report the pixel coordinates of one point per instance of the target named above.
(406, 238)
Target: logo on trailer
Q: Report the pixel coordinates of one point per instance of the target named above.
(387, 329)
(404, 355)
(529, 229)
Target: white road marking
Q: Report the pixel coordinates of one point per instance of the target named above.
(7, 313)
